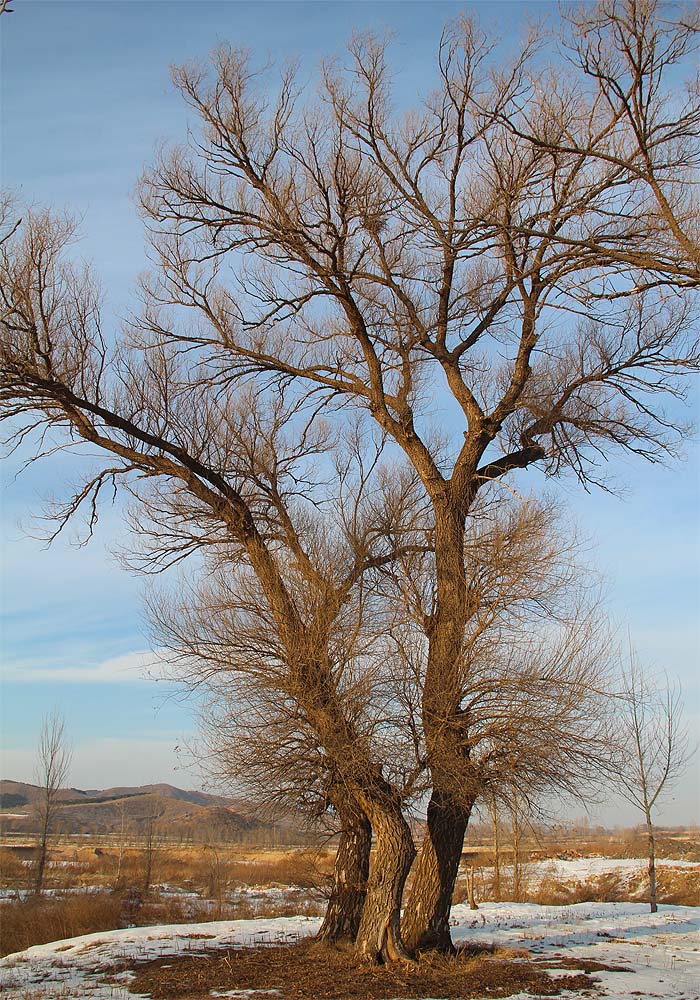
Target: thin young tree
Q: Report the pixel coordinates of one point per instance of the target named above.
(53, 765)
(654, 749)
(495, 826)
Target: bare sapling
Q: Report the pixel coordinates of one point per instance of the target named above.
(654, 748)
(53, 766)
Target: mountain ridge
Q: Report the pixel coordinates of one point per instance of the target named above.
(177, 812)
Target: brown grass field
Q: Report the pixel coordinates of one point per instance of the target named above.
(95, 885)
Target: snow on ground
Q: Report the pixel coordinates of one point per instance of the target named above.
(660, 952)
(571, 870)
(579, 869)
(662, 949)
(74, 968)
(76, 890)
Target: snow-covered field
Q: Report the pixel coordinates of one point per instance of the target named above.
(660, 952)
(579, 869)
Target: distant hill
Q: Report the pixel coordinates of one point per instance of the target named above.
(175, 812)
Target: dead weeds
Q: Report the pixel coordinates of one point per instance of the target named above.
(307, 970)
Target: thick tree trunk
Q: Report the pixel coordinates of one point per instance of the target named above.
(427, 918)
(426, 922)
(350, 872)
(652, 864)
(379, 934)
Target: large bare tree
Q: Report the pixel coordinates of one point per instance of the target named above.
(503, 249)
(219, 469)
(524, 244)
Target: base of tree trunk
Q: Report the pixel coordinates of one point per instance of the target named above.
(426, 923)
(350, 872)
(379, 935)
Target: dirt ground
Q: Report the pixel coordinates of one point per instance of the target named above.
(308, 971)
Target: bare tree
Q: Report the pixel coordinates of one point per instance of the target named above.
(124, 831)
(53, 764)
(151, 840)
(654, 747)
(237, 482)
(501, 245)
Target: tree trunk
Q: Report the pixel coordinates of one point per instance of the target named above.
(652, 864)
(40, 867)
(43, 848)
(427, 918)
(470, 888)
(379, 934)
(426, 922)
(517, 887)
(350, 871)
(496, 852)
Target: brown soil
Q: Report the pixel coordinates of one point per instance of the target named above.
(310, 972)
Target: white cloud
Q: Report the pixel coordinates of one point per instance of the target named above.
(126, 669)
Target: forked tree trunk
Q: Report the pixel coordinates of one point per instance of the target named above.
(350, 872)
(426, 922)
(379, 935)
(427, 918)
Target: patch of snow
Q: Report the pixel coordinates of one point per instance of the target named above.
(77, 890)
(78, 964)
(580, 869)
(241, 993)
(661, 950)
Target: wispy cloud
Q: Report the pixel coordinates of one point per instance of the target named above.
(126, 669)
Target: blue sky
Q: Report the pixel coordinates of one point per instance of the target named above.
(85, 99)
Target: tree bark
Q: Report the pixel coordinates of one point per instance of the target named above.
(496, 852)
(517, 886)
(427, 918)
(379, 935)
(426, 922)
(350, 872)
(43, 846)
(652, 863)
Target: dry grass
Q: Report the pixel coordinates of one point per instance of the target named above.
(36, 920)
(204, 868)
(13, 874)
(676, 886)
(306, 971)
